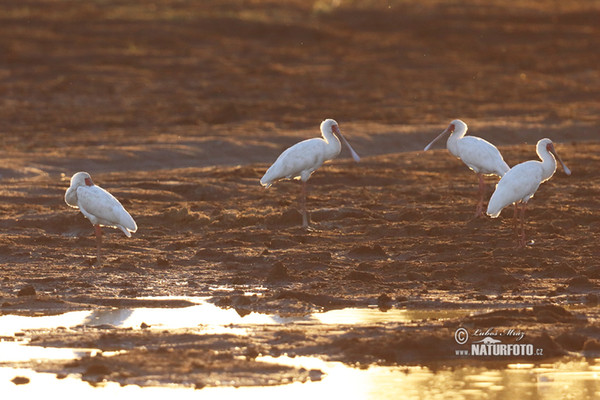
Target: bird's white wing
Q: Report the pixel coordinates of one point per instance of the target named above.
(105, 208)
(305, 156)
(71, 197)
(520, 183)
(481, 156)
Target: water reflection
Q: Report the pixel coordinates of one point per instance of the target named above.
(569, 379)
(576, 379)
(354, 316)
(212, 319)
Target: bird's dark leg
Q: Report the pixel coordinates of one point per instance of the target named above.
(516, 219)
(303, 205)
(98, 243)
(479, 210)
(522, 242)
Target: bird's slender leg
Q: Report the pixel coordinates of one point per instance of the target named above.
(98, 244)
(516, 219)
(303, 205)
(522, 239)
(479, 211)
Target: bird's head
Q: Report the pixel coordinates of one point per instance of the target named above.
(330, 126)
(81, 179)
(549, 147)
(456, 125)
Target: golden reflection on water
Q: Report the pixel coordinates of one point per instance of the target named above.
(211, 318)
(576, 379)
(355, 316)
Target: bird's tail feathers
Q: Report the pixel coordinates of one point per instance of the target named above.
(493, 210)
(126, 231)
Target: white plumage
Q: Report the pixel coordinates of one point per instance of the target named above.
(520, 183)
(98, 205)
(478, 154)
(302, 159)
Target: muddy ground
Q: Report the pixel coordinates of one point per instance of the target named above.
(179, 108)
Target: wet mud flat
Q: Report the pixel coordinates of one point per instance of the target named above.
(389, 246)
(178, 109)
(250, 349)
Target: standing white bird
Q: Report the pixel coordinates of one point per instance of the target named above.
(522, 181)
(99, 206)
(302, 159)
(478, 154)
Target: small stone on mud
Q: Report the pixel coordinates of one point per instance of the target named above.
(162, 262)
(367, 251)
(28, 290)
(591, 299)
(315, 375)
(571, 341)
(129, 292)
(251, 353)
(97, 369)
(241, 300)
(384, 302)
(20, 380)
(287, 217)
(592, 346)
(199, 385)
(361, 276)
(580, 280)
(278, 272)
(223, 301)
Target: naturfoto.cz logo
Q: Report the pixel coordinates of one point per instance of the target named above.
(491, 342)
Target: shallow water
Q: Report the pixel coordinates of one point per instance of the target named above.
(564, 380)
(568, 379)
(211, 318)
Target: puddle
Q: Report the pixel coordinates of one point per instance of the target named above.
(356, 316)
(568, 379)
(17, 352)
(573, 379)
(212, 319)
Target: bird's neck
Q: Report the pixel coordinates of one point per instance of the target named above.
(333, 143)
(452, 143)
(548, 164)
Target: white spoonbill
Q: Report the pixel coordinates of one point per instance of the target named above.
(302, 159)
(479, 155)
(99, 206)
(522, 181)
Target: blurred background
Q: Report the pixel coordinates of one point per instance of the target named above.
(124, 71)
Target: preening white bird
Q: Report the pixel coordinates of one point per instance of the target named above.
(99, 206)
(478, 154)
(302, 159)
(522, 181)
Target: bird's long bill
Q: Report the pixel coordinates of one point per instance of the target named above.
(441, 135)
(354, 155)
(562, 164)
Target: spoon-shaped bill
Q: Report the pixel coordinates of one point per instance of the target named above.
(354, 155)
(441, 135)
(562, 164)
